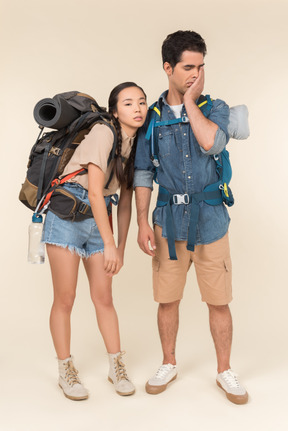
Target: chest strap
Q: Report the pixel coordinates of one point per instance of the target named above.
(166, 199)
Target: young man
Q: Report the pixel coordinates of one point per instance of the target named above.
(198, 230)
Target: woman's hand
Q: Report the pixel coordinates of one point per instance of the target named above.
(113, 261)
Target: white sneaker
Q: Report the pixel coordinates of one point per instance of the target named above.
(235, 392)
(69, 381)
(118, 376)
(158, 383)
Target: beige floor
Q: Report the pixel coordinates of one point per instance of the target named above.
(30, 398)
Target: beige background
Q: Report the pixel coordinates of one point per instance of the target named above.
(56, 46)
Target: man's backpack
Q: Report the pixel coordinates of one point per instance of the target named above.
(52, 151)
(213, 194)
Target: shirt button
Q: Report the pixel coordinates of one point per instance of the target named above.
(189, 177)
(187, 155)
(184, 134)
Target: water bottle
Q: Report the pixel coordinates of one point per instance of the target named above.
(36, 248)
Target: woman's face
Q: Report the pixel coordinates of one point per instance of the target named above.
(131, 109)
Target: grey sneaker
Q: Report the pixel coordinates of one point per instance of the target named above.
(118, 375)
(69, 381)
(158, 383)
(235, 392)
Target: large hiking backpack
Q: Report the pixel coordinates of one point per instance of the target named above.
(213, 194)
(74, 114)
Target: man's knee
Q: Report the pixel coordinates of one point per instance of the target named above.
(169, 305)
(218, 308)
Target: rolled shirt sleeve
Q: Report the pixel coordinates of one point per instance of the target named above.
(143, 179)
(219, 115)
(144, 168)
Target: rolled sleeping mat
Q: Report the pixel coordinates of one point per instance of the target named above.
(238, 127)
(54, 113)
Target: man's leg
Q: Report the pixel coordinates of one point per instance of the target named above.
(169, 279)
(168, 323)
(214, 274)
(221, 330)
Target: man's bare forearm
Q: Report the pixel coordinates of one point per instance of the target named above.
(203, 129)
(143, 197)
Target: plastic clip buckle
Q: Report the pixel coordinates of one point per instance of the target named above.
(181, 199)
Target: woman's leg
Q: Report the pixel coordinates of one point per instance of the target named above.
(101, 295)
(64, 268)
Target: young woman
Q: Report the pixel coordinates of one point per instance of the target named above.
(92, 239)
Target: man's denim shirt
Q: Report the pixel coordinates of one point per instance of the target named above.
(185, 167)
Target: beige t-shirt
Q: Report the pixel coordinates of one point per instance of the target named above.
(95, 148)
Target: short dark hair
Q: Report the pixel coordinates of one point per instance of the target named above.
(176, 43)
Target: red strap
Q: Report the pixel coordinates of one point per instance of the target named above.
(56, 182)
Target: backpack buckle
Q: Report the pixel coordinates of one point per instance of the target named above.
(83, 208)
(181, 199)
(155, 161)
(55, 150)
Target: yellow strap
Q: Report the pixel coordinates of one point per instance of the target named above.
(226, 190)
(157, 110)
(201, 104)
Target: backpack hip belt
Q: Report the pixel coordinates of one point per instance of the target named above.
(166, 199)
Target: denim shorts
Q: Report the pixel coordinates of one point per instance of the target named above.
(82, 237)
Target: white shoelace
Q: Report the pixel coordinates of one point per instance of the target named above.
(230, 378)
(163, 371)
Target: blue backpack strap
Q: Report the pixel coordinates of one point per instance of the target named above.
(204, 103)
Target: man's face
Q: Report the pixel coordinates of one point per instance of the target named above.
(185, 72)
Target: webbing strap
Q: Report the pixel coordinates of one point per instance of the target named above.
(166, 199)
(169, 122)
(55, 183)
(42, 171)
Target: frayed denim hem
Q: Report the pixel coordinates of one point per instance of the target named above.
(101, 251)
(75, 250)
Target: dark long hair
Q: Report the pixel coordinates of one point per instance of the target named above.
(126, 175)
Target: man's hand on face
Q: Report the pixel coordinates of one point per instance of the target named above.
(195, 90)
